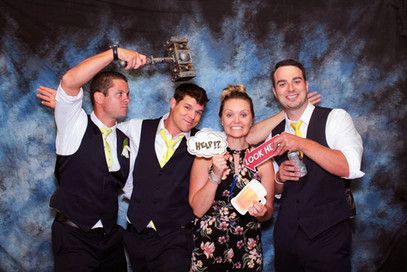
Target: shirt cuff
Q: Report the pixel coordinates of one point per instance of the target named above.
(354, 162)
(62, 96)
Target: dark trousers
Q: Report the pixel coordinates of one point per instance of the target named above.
(77, 250)
(329, 251)
(150, 252)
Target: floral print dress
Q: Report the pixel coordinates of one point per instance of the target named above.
(225, 240)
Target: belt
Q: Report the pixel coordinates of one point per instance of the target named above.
(132, 228)
(61, 218)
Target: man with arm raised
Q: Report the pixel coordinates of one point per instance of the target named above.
(90, 169)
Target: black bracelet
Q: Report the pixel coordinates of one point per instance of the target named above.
(115, 54)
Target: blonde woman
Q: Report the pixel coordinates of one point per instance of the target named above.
(224, 239)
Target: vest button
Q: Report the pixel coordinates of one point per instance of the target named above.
(297, 201)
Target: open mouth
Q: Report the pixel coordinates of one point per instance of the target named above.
(292, 97)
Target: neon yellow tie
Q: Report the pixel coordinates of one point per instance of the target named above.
(108, 153)
(296, 126)
(170, 143)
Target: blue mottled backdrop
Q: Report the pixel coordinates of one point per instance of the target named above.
(355, 52)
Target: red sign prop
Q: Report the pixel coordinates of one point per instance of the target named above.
(260, 154)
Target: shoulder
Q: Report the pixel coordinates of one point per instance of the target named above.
(127, 126)
(194, 131)
(322, 111)
(331, 114)
(338, 114)
(154, 120)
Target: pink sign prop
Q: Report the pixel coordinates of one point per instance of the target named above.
(260, 154)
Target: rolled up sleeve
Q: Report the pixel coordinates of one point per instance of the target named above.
(342, 135)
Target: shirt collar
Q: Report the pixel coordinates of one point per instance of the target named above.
(161, 125)
(305, 117)
(99, 123)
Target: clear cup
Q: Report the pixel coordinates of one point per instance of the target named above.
(295, 157)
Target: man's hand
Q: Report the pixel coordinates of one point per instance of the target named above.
(288, 172)
(47, 96)
(134, 59)
(287, 142)
(314, 97)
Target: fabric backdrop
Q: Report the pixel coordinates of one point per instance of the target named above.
(354, 51)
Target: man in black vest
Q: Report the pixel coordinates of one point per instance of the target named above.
(92, 165)
(312, 231)
(159, 237)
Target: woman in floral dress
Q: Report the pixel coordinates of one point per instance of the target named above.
(224, 239)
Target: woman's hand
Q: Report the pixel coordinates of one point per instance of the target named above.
(257, 210)
(219, 166)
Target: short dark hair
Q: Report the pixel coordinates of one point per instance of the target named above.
(237, 91)
(193, 91)
(288, 62)
(102, 81)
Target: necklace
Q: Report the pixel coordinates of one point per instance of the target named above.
(236, 169)
(236, 151)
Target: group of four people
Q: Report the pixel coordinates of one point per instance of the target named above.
(180, 217)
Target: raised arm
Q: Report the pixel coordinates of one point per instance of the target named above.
(201, 189)
(203, 186)
(261, 130)
(79, 75)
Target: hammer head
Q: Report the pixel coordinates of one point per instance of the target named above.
(181, 68)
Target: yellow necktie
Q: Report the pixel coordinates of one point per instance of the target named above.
(108, 153)
(170, 143)
(296, 126)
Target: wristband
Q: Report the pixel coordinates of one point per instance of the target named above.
(214, 178)
(115, 54)
(278, 182)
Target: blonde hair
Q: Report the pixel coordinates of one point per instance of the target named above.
(236, 91)
(229, 90)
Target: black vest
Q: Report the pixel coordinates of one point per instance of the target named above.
(317, 201)
(160, 194)
(87, 190)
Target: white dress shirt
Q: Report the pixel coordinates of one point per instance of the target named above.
(340, 134)
(132, 129)
(71, 121)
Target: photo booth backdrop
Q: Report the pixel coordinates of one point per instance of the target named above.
(354, 52)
